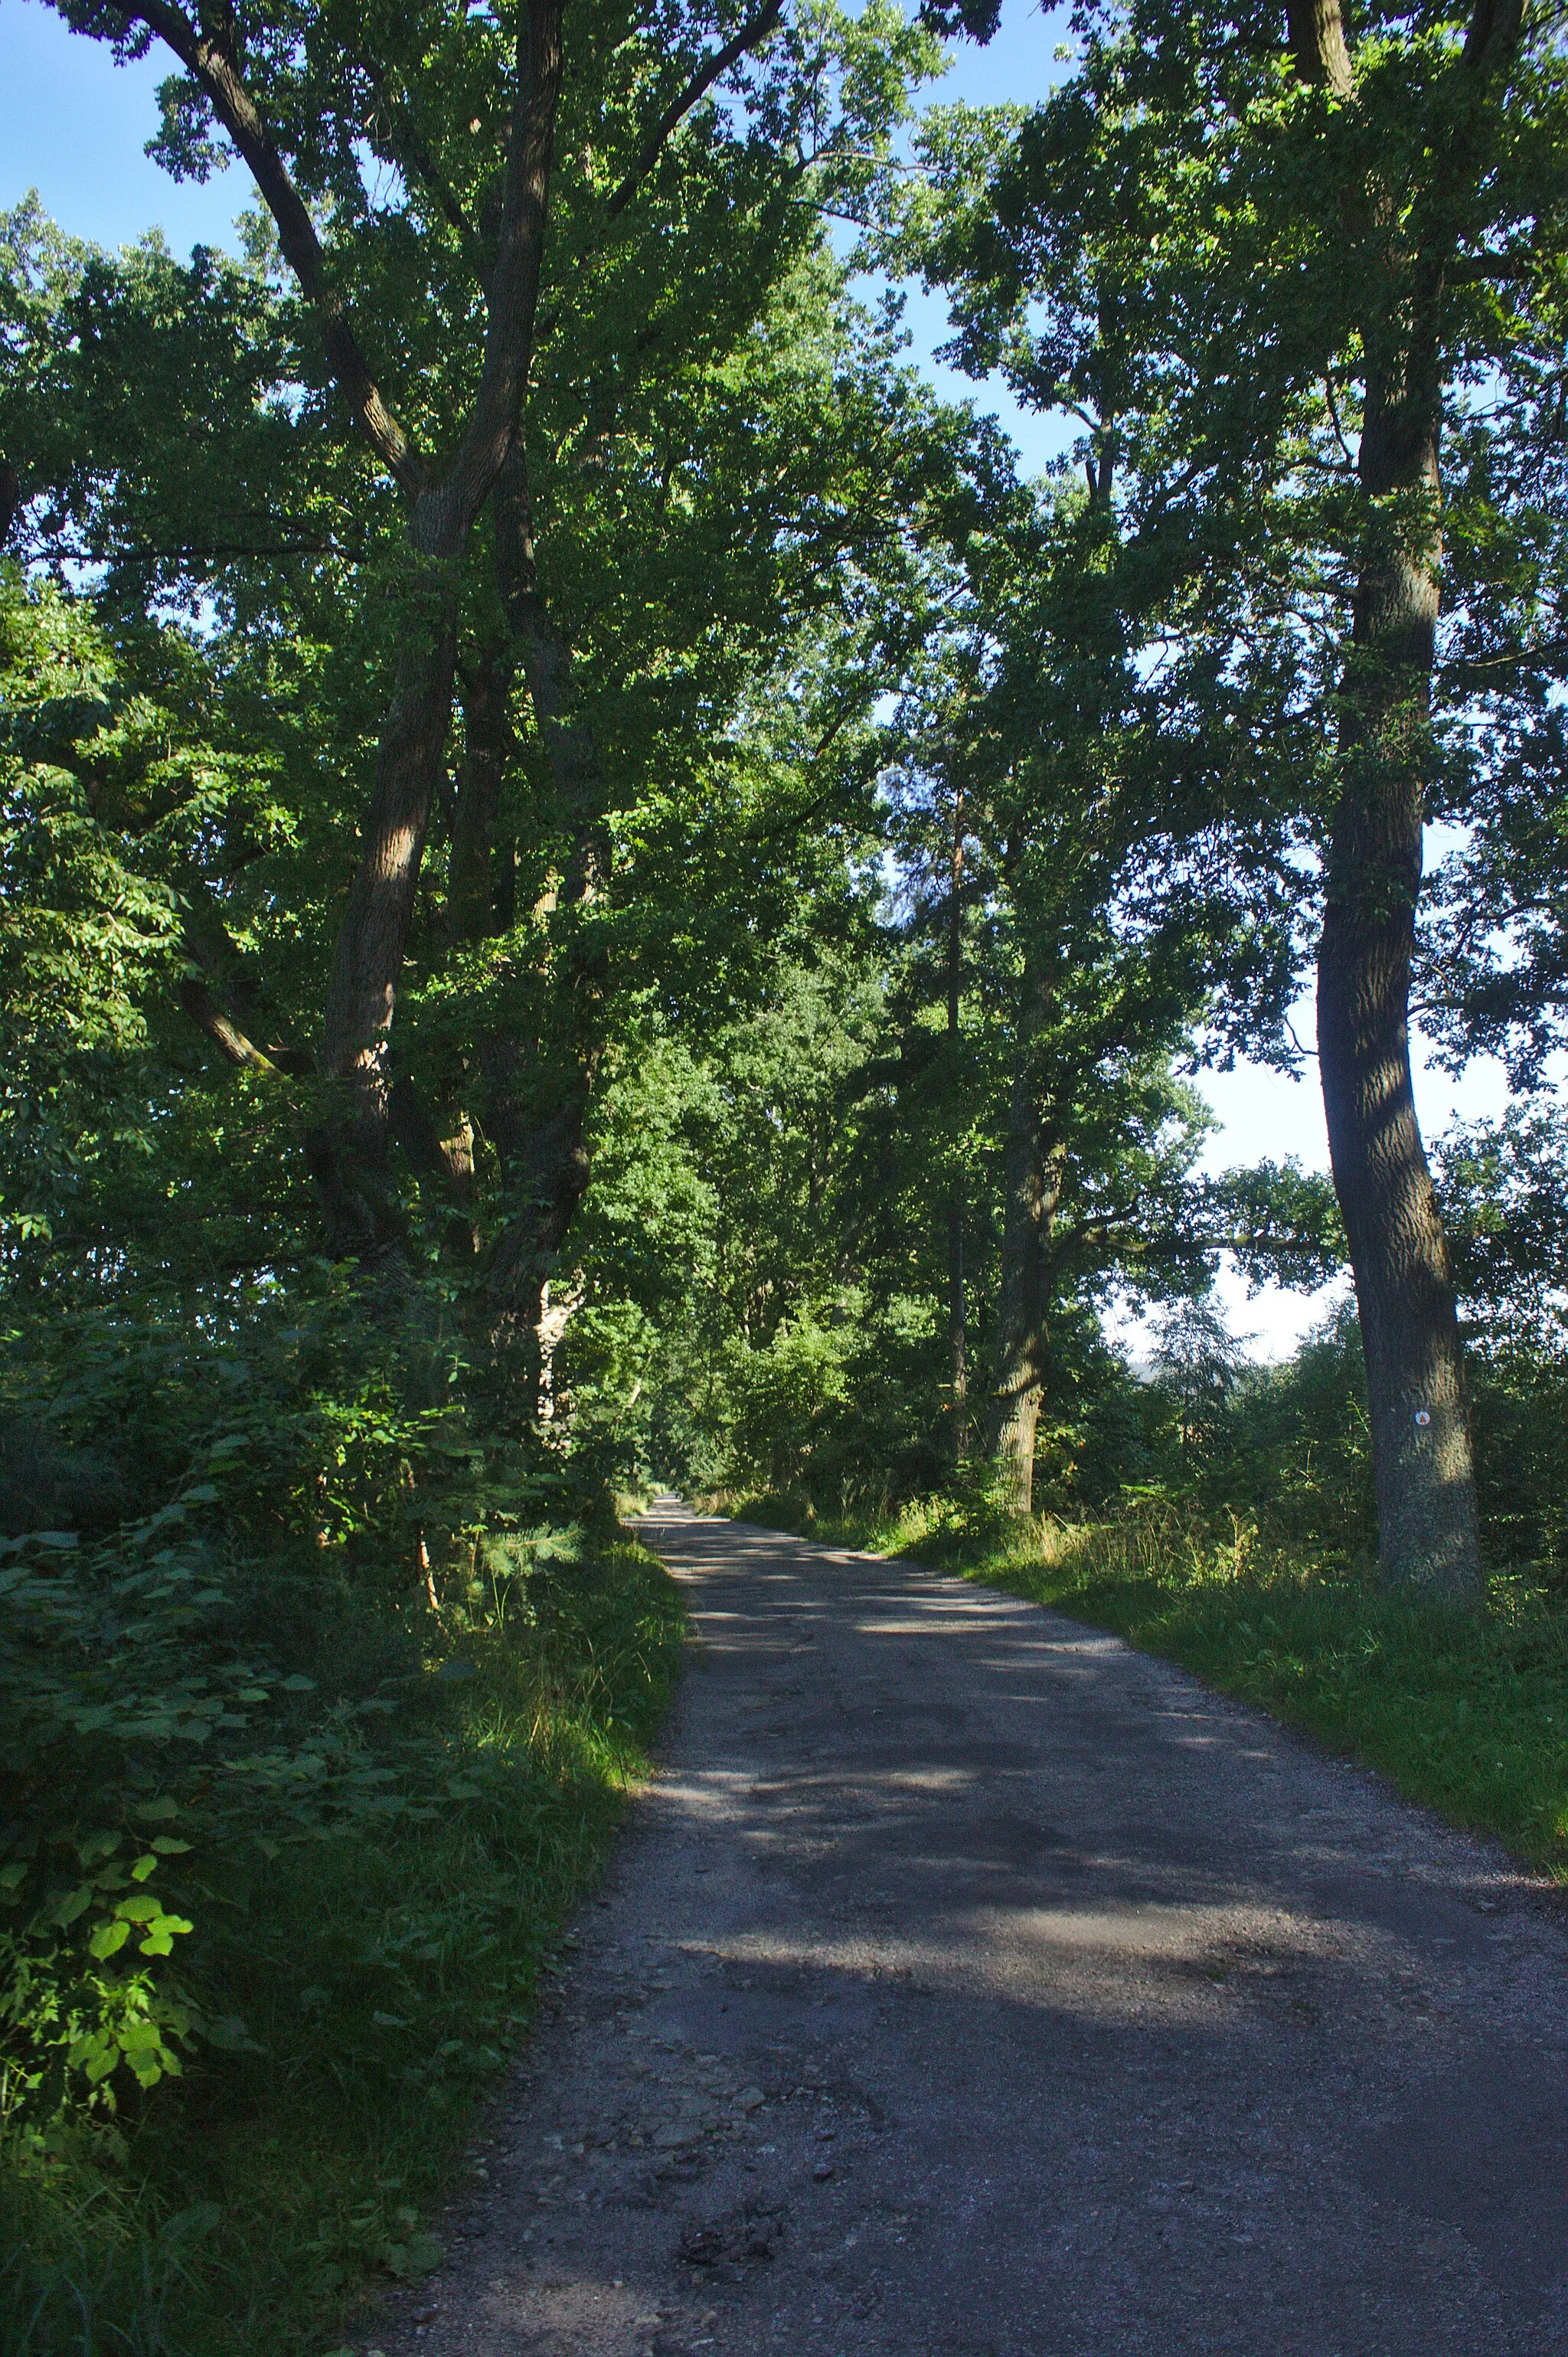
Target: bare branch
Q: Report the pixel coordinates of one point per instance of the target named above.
(210, 552)
(1503, 269)
(1338, 429)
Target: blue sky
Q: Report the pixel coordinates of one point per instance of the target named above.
(74, 126)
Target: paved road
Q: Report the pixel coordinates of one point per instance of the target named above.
(970, 1986)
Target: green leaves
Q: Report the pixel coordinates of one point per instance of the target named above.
(421, 2254)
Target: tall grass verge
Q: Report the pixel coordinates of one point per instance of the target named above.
(1466, 1713)
(359, 1981)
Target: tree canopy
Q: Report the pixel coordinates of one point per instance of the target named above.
(594, 886)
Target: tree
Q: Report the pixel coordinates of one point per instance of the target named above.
(1121, 908)
(445, 277)
(1243, 248)
(1196, 1360)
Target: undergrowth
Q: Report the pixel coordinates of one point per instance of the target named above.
(1465, 1712)
(360, 1977)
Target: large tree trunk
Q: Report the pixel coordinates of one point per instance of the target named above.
(348, 1148)
(1032, 1191)
(533, 1095)
(958, 1339)
(350, 1153)
(478, 896)
(1415, 1377)
(437, 1138)
(529, 1089)
(958, 1336)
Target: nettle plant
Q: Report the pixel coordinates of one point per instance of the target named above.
(103, 1708)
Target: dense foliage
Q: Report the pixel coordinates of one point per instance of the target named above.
(592, 888)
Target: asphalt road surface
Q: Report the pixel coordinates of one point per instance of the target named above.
(968, 1985)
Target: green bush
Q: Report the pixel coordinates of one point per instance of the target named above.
(303, 1762)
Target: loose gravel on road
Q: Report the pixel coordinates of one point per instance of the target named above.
(968, 1985)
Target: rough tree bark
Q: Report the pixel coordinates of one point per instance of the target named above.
(1032, 1184)
(958, 1339)
(537, 1095)
(436, 1137)
(1422, 1455)
(1415, 1377)
(527, 1090)
(348, 1148)
(530, 1094)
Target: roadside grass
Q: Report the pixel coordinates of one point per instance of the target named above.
(381, 1975)
(1466, 1713)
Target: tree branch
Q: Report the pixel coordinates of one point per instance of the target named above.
(1338, 429)
(409, 152)
(214, 65)
(719, 62)
(703, 80)
(210, 552)
(226, 1006)
(231, 1043)
(1506, 269)
(512, 294)
(1318, 45)
(430, 1156)
(1493, 33)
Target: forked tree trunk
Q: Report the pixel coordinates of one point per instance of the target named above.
(436, 1137)
(349, 1152)
(1415, 1377)
(362, 1103)
(528, 1088)
(348, 1146)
